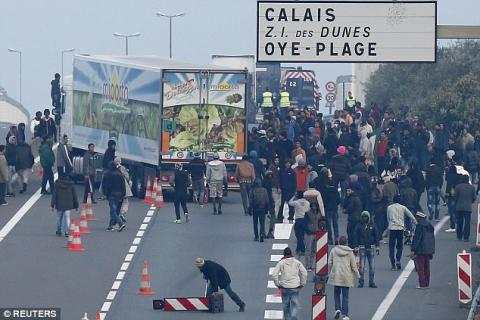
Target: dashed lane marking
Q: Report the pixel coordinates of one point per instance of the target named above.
(271, 284)
(273, 314)
(137, 240)
(276, 257)
(282, 231)
(279, 246)
(270, 271)
(271, 298)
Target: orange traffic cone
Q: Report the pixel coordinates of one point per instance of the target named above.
(77, 241)
(159, 197)
(83, 223)
(97, 316)
(90, 215)
(148, 193)
(71, 231)
(145, 289)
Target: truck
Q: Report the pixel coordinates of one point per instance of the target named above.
(158, 111)
(302, 87)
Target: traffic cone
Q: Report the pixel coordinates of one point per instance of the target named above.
(77, 241)
(97, 316)
(159, 197)
(85, 316)
(83, 223)
(71, 231)
(148, 193)
(145, 289)
(90, 215)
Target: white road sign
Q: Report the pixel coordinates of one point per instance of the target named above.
(330, 97)
(330, 86)
(363, 31)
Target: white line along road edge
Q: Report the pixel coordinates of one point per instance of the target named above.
(126, 264)
(402, 278)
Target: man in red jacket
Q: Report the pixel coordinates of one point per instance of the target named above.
(302, 174)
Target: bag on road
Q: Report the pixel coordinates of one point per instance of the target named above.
(215, 303)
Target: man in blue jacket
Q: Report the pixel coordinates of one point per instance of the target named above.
(288, 185)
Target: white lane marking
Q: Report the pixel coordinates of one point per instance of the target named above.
(143, 226)
(125, 266)
(137, 240)
(282, 231)
(276, 257)
(147, 219)
(120, 275)
(132, 249)
(21, 212)
(102, 316)
(129, 257)
(279, 246)
(140, 233)
(106, 306)
(402, 278)
(111, 295)
(273, 314)
(271, 284)
(272, 298)
(149, 213)
(116, 285)
(270, 271)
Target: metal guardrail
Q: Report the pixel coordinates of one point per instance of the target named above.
(473, 308)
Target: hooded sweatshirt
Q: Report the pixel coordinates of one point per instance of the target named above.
(301, 206)
(216, 171)
(289, 273)
(365, 233)
(313, 194)
(342, 266)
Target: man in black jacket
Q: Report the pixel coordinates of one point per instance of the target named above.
(423, 248)
(288, 185)
(24, 164)
(197, 170)
(259, 205)
(433, 182)
(180, 186)
(366, 242)
(114, 189)
(352, 207)
(217, 277)
(108, 157)
(464, 198)
(47, 126)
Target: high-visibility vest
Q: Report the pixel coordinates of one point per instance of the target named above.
(267, 100)
(351, 102)
(284, 99)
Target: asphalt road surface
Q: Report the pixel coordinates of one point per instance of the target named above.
(36, 270)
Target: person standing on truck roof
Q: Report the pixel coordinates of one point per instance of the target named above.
(196, 168)
(216, 177)
(89, 159)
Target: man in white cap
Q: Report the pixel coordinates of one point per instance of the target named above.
(423, 248)
(216, 177)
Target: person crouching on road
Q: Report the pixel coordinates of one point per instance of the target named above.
(259, 205)
(366, 242)
(423, 248)
(180, 185)
(64, 199)
(128, 189)
(216, 178)
(301, 206)
(218, 277)
(114, 189)
(343, 270)
(289, 275)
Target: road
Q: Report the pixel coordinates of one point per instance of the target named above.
(36, 270)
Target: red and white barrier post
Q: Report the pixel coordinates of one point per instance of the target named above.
(321, 266)
(319, 307)
(186, 304)
(477, 243)
(464, 272)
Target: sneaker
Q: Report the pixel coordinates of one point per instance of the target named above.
(337, 314)
(187, 218)
(399, 266)
(372, 285)
(58, 233)
(67, 234)
(242, 307)
(110, 229)
(450, 230)
(255, 239)
(360, 285)
(418, 287)
(262, 239)
(290, 221)
(10, 195)
(393, 268)
(270, 236)
(4, 203)
(309, 269)
(346, 318)
(214, 211)
(177, 221)
(122, 217)
(219, 211)
(201, 206)
(120, 229)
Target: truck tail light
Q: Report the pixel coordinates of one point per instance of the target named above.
(232, 179)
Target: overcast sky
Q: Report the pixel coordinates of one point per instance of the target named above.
(42, 28)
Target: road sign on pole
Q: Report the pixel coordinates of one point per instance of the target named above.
(330, 97)
(330, 86)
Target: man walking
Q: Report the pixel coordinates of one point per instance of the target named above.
(64, 199)
(47, 160)
(180, 184)
(289, 275)
(288, 185)
(352, 207)
(245, 174)
(366, 242)
(64, 162)
(396, 225)
(216, 177)
(218, 277)
(259, 205)
(114, 189)
(434, 182)
(423, 248)
(464, 198)
(197, 170)
(3, 176)
(11, 155)
(47, 126)
(89, 159)
(24, 163)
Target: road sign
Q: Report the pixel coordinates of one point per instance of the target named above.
(346, 31)
(330, 97)
(330, 86)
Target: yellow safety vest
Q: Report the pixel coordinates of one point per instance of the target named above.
(267, 100)
(284, 99)
(351, 102)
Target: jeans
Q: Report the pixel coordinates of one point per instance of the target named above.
(311, 250)
(463, 225)
(3, 190)
(291, 303)
(369, 255)
(277, 198)
(395, 240)
(452, 212)
(63, 221)
(198, 187)
(433, 201)
(259, 215)
(343, 304)
(180, 200)
(350, 229)
(89, 188)
(332, 224)
(286, 196)
(47, 176)
(12, 178)
(114, 205)
(299, 229)
(230, 293)
(245, 188)
(422, 263)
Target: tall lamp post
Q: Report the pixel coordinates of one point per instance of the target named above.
(170, 17)
(20, 56)
(63, 53)
(126, 36)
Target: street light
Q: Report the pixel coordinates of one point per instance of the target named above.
(20, 56)
(63, 52)
(170, 17)
(126, 36)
